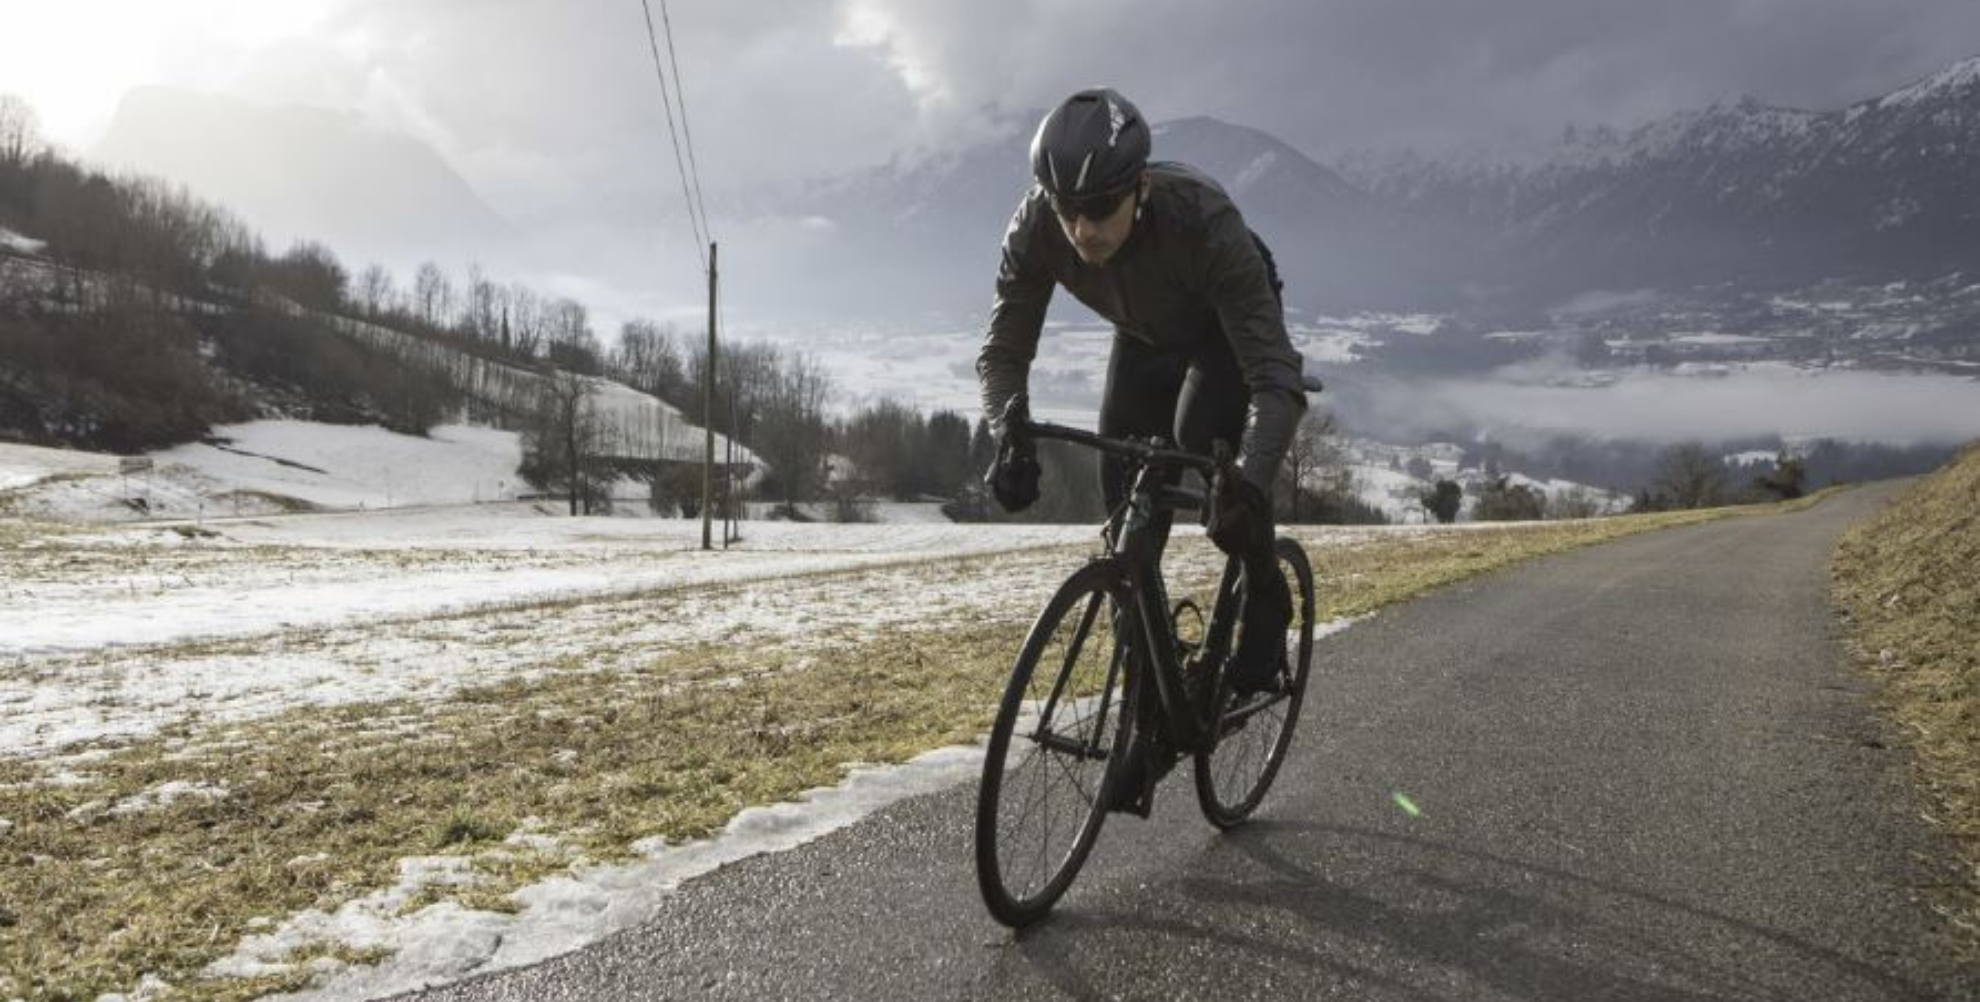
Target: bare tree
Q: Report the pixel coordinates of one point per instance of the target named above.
(482, 317)
(570, 342)
(525, 320)
(648, 359)
(1313, 455)
(790, 432)
(20, 131)
(1691, 477)
(433, 296)
(565, 438)
(1575, 502)
(310, 275)
(1501, 500)
(375, 291)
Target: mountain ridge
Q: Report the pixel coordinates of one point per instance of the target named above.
(1738, 191)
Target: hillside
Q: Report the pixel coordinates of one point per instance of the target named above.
(1909, 583)
(136, 317)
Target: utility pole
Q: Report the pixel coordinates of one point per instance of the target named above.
(708, 416)
(729, 476)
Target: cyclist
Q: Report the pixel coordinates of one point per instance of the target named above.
(1200, 350)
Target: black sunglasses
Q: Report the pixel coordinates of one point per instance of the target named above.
(1097, 208)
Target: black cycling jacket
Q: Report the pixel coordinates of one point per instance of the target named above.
(1190, 269)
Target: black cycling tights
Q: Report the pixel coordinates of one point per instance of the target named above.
(1191, 395)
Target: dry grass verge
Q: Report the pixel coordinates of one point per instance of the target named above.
(1908, 582)
(163, 854)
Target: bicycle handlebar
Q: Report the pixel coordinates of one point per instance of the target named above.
(1017, 417)
(1140, 451)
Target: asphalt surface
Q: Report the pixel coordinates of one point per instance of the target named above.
(1645, 771)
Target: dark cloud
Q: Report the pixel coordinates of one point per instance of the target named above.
(552, 110)
(536, 93)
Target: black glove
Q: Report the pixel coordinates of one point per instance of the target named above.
(1013, 478)
(1238, 515)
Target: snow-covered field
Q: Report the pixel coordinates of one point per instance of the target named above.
(264, 467)
(364, 466)
(121, 632)
(25, 465)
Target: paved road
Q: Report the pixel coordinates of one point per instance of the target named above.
(1645, 772)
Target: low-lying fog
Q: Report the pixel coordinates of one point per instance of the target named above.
(1658, 406)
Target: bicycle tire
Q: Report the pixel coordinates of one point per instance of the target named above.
(1236, 767)
(1079, 717)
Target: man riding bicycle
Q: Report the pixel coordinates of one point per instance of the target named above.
(1200, 350)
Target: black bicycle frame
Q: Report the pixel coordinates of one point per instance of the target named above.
(1131, 542)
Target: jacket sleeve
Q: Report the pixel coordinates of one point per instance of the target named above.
(1239, 286)
(1024, 290)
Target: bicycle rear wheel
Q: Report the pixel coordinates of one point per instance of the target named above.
(1062, 727)
(1236, 767)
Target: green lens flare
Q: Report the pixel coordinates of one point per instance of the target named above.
(1408, 806)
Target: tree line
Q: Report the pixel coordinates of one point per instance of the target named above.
(147, 315)
(1680, 476)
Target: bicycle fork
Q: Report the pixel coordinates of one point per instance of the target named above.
(1094, 746)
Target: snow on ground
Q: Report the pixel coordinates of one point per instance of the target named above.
(1751, 457)
(1716, 339)
(876, 512)
(121, 632)
(23, 465)
(445, 943)
(340, 466)
(100, 627)
(169, 491)
(1397, 494)
(19, 244)
(266, 467)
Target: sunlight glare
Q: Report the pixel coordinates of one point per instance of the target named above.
(74, 60)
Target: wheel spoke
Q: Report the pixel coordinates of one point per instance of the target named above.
(1058, 727)
(1233, 775)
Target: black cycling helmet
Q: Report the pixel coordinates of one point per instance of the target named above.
(1093, 145)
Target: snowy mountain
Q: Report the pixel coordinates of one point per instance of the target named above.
(1737, 193)
(909, 237)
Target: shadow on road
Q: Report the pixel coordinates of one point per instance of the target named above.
(1389, 915)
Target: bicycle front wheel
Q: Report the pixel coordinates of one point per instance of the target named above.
(1238, 764)
(1061, 728)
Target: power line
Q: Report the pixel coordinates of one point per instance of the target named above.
(695, 221)
(680, 98)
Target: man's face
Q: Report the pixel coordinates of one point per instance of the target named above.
(1097, 240)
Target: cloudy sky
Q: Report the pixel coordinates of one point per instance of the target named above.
(551, 110)
(543, 103)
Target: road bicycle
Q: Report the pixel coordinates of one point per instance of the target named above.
(1110, 663)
